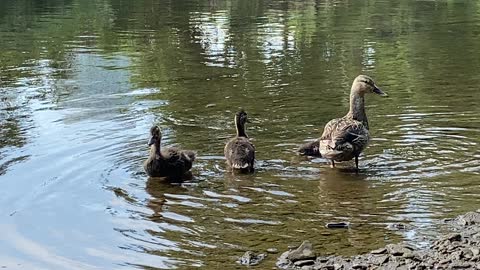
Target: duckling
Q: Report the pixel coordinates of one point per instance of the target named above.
(239, 151)
(345, 138)
(169, 162)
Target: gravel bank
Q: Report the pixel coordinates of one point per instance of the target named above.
(459, 249)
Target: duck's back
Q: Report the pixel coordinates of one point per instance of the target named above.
(172, 162)
(240, 153)
(343, 138)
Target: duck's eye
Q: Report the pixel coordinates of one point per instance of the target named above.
(368, 82)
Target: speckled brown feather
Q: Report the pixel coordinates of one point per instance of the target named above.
(343, 139)
(240, 153)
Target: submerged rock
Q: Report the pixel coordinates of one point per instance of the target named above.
(338, 225)
(249, 258)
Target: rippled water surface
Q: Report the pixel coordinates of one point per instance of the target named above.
(81, 82)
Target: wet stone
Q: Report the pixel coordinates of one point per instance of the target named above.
(379, 251)
(304, 262)
(322, 259)
(272, 250)
(468, 219)
(359, 266)
(460, 265)
(249, 258)
(303, 252)
(454, 237)
(459, 249)
(445, 261)
(398, 249)
(379, 260)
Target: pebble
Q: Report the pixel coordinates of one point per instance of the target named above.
(249, 258)
(272, 250)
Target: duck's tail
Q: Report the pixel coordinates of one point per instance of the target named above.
(190, 155)
(310, 149)
(240, 165)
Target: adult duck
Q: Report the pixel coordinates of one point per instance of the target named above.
(345, 138)
(239, 151)
(168, 162)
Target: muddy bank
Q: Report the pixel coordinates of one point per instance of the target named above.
(459, 249)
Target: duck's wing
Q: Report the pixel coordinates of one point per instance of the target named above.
(178, 161)
(189, 155)
(339, 131)
(240, 153)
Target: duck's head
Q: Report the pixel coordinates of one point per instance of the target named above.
(363, 84)
(241, 117)
(155, 135)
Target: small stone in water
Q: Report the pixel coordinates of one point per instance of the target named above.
(250, 258)
(339, 225)
(272, 250)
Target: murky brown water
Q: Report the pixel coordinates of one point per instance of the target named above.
(81, 82)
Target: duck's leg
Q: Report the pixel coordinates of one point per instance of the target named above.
(333, 163)
(356, 163)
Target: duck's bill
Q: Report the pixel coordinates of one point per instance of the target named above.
(151, 141)
(379, 92)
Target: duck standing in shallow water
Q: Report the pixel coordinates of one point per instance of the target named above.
(239, 151)
(345, 138)
(169, 162)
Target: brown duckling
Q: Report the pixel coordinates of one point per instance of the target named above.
(239, 151)
(169, 162)
(345, 138)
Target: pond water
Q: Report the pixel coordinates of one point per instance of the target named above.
(81, 83)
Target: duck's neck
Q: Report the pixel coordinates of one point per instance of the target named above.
(357, 108)
(155, 150)
(240, 129)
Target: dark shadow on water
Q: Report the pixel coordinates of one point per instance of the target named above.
(188, 176)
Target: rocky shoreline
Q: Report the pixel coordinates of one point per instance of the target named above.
(460, 249)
